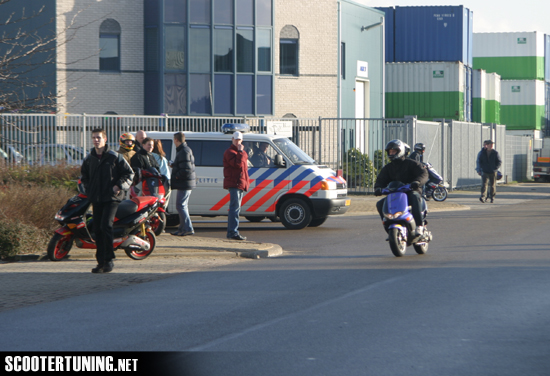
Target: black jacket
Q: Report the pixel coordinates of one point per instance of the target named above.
(404, 170)
(183, 169)
(417, 156)
(99, 176)
(488, 163)
(143, 160)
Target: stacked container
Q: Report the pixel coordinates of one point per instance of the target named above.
(519, 58)
(429, 35)
(485, 97)
(432, 90)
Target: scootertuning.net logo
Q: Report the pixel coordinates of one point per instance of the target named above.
(57, 363)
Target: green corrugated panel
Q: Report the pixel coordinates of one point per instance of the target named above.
(426, 106)
(513, 68)
(478, 110)
(522, 117)
(492, 112)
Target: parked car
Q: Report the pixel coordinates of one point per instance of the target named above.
(10, 155)
(53, 154)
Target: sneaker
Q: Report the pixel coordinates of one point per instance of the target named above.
(237, 237)
(491, 200)
(189, 233)
(481, 199)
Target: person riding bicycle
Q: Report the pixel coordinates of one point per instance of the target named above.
(407, 171)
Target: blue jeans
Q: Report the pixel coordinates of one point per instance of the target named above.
(182, 199)
(235, 198)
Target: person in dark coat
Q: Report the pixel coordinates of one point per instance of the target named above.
(487, 164)
(237, 181)
(140, 136)
(418, 153)
(105, 175)
(407, 171)
(184, 180)
(143, 160)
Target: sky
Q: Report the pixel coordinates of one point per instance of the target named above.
(491, 15)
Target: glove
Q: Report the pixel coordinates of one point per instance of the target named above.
(415, 185)
(378, 192)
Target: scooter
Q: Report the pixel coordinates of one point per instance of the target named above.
(156, 185)
(132, 233)
(399, 222)
(434, 187)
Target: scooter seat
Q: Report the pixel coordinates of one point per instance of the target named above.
(126, 208)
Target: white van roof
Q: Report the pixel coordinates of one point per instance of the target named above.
(213, 136)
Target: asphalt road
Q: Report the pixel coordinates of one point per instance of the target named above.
(337, 303)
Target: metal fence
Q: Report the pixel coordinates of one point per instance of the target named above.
(353, 147)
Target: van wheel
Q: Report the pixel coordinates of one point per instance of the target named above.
(295, 214)
(315, 222)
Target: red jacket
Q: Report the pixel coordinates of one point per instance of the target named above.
(235, 169)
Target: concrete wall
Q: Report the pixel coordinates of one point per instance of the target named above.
(82, 87)
(313, 92)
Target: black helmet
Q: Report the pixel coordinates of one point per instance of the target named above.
(420, 147)
(398, 145)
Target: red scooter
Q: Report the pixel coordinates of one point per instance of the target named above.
(132, 231)
(156, 185)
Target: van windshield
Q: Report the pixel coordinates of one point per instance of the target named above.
(293, 152)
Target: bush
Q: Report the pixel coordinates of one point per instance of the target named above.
(19, 238)
(29, 199)
(358, 169)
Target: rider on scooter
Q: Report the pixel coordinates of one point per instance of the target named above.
(407, 171)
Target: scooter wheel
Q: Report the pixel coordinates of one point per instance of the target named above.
(421, 248)
(59, 246)
(440, 194)
(398, 245)
(158, 223)
(136, 254)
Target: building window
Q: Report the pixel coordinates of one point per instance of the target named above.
(288, 56)
(245, 50)
(343, 61)
(174, 46)
(288, 50)
(199, 49)
(223, 49)
(109, 46)
(264, 50)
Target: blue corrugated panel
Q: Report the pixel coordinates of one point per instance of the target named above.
(389, 27)
(433, 33)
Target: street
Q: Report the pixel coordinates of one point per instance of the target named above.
(336, 303)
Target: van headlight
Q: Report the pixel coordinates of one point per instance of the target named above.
(327, 185)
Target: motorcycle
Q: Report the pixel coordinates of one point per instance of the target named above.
(399, 222)
(156, 185)
(132, 233)
(434, 187)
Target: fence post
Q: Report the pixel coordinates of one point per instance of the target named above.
(84, 133)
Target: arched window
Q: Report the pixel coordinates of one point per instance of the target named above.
(288, 50)
(109, 46)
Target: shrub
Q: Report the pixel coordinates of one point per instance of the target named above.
(358, 169)
(51, 176)
(20, 238)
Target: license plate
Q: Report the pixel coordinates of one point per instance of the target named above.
(348, 202)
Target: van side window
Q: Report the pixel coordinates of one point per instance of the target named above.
(196, 147)
(212, 153)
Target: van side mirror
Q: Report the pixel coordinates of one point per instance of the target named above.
(279, 161)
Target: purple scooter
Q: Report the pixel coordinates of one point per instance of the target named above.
(399, 222)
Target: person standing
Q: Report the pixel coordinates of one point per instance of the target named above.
(236, 180)
(127, 142)
(105, 175)
(183, 180)
(140, 136)
(487, 164)
(144, 159)
(160, 157)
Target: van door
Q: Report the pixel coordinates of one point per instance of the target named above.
(209, 197)
(267, 181)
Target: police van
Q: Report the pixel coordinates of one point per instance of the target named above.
(285, 183)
